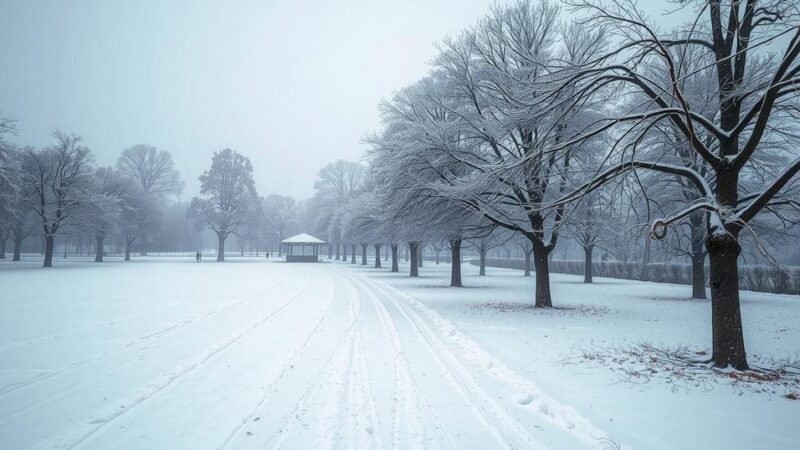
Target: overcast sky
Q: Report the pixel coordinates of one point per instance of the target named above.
(291, 84)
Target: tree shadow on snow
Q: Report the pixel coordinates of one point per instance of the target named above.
(442, 286)
(515, 307)
(673, 298)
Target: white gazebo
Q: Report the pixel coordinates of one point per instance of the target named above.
(302, 248)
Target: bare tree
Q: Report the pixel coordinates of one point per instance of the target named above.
(152, 169)
(366, 225)
(254, 229)
(586, 225)
(227, 195)
(280, 213)
(139, 215)
(488, 237)
(101, 214)
(525, 246)
(471, 124)
(7, 188)
(7, 127)
(18, 221)
(413, 209)
(59, 180)
(154, 179)
(339, 179)
(756, 101)
(336, 184)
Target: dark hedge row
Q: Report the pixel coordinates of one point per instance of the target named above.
(785, 280)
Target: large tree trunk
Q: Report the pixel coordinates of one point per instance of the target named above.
(698, 275)
(49, 247)
(98, 255)
(338, 254)
(17, 249)
(344, 252)
(3, 247)
(377, 256)
(414, 266)
(221, 246)
(364, 254)
(482, 272)
(128, 250)
(587, 263)
(455, 268)
(527, 272)
(726, 316)
(330, 251)
(353, 254)
(395, 262)
(698, 263)
(541, 263)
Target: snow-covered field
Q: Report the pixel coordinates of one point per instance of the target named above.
(167, 353)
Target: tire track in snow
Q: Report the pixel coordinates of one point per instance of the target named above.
(16, 344)
(75, 435)
(286, 369)
(275, 440)
(352, 395)
(356, 400)
(74, 366)
(563, 416)
(11, 387)
(410, 394)
(368, 401)
(286, 424)
(504, 428)
(86, 380)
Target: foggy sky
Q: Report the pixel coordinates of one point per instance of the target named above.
(293, 85)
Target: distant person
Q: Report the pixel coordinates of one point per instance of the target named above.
(197, 256)
(267, 255)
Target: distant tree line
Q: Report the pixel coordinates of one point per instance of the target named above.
(59, 193)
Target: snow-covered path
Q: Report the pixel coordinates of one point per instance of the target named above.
(170, 354)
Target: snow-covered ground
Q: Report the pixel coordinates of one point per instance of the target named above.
(167, 353)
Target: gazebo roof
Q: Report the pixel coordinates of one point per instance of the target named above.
(302, 238)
